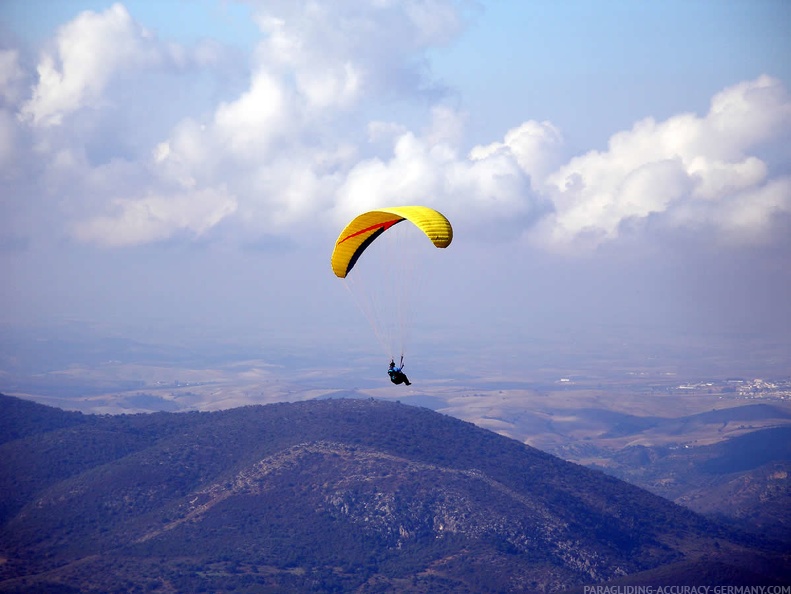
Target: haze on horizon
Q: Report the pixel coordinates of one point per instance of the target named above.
(615, 172)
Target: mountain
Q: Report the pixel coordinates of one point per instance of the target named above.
(732, 464)
(743, 480)
(336, 495)
(22, 418)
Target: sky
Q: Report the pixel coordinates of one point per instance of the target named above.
(614, 171)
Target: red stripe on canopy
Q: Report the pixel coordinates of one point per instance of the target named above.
(384, 226)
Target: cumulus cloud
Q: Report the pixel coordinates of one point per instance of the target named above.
(248, 125)
(304, 141)
(536, 146)
(339, 51)
(292, 144)
(92, 50)
(157, 217)
(687, 171)
(87, 52)
(478, 193)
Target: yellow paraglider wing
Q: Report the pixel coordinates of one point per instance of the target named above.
(365, 228)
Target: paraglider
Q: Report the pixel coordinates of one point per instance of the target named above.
(386, 300)
(397, 376)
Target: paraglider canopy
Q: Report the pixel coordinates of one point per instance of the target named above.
(365, 228)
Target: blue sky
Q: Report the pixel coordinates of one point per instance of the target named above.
(596, 67)
(180, 169)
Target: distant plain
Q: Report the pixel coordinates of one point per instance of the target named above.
(544, 393)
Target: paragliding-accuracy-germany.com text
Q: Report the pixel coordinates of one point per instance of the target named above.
(687, 590)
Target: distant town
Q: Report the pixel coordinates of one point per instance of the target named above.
(779, 389)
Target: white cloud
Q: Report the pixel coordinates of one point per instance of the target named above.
(157, 217)
(479, 192)
(305, 142)
(749, 214)
(407, 178)
(248, 125)
(338, 52)
(88, 52)
(535, 146)
(690, 171)
(92, 51)
(289, 145)
(717, 178)
(746, 115)
(188, 157)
